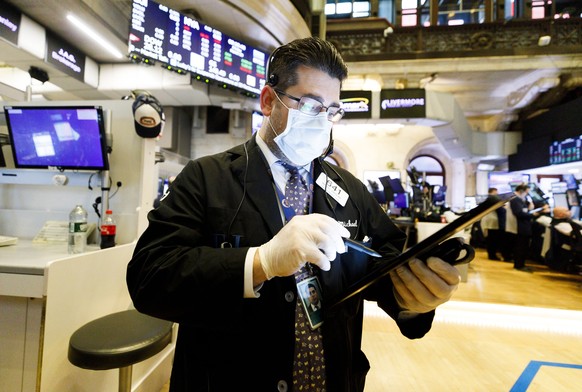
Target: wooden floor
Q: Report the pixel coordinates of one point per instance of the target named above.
(504, 330)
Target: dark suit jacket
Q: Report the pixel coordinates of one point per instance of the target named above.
(226, 342)
(524, 219)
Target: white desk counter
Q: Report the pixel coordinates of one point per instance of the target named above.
(47, 294)
(23, 267)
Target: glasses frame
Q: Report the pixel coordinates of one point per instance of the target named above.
(333, 117)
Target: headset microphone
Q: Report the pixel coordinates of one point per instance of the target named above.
(329, 150)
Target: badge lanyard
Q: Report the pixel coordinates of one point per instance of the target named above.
(308, 278)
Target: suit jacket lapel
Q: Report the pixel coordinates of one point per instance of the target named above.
(320, 204)
(259, 183)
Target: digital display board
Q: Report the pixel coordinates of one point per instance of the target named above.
(407, 103)
(564, 151)
(10, 19)
(165, 35)
(356, 104)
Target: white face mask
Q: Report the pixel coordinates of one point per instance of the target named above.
(305, 137)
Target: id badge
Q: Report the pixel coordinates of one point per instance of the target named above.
(310, 293)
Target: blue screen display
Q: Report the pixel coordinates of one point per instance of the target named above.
(70, 138)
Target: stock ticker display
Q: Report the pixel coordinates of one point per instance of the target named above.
(162, 34)
(564, 151)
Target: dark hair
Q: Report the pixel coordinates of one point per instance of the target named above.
(491, 190)
(312, 52)
(521, 187)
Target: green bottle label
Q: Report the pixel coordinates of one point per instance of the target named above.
(77, 227)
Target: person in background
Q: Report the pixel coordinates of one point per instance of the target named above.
(493, 226)
(519, 222)
(238, 231)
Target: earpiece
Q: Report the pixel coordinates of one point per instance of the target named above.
(272, 78)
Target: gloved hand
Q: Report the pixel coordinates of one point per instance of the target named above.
(421, 287)
(313, 238)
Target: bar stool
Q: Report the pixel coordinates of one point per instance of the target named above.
(119, 340)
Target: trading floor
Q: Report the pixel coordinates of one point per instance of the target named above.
(504, 330)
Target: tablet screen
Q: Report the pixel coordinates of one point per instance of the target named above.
(424, 247)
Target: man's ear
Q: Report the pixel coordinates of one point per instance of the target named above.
(266, 100)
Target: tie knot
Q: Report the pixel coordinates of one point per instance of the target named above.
(290, 168)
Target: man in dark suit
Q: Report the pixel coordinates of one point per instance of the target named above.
(519, 222)
(223, 253)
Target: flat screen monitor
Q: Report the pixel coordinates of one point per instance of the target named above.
(571, 182)
(560, 200)
(572, 197)
(217, 119)
(59, 137)
(401, 200)
(575, 212)
(439, 193)
(396, 185)
(388, 191)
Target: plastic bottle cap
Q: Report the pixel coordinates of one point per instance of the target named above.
(109, 212)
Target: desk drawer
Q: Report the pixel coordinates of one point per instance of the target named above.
(21, 285)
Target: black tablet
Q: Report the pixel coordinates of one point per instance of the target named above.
(426, 247)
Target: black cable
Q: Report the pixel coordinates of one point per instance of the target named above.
(227, 239)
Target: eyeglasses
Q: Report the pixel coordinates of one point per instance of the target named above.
(312, 107)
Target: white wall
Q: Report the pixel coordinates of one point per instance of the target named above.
(31, 198)
(374, 150)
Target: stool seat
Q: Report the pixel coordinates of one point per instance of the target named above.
(118, 340)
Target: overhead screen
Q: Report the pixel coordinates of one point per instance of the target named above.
(165, 35)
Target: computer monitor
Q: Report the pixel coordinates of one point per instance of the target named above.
(439, 194)
(396, 185)
(575, 212)
(572, 197)
(388, 190)
(571, 182)
(401, 200)
(560, 200)
(61, 137)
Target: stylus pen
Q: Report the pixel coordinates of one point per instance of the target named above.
(361, 247)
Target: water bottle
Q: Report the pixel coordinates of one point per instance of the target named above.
(108, 229)
(77, 230)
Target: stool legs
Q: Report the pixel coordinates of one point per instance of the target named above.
(125, 379)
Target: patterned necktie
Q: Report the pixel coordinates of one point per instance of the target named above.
(308, 362)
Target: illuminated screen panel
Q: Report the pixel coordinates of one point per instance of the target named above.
(165, 35)
(565, 151)
(61, 137)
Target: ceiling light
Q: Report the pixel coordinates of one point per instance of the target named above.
(94, 35)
